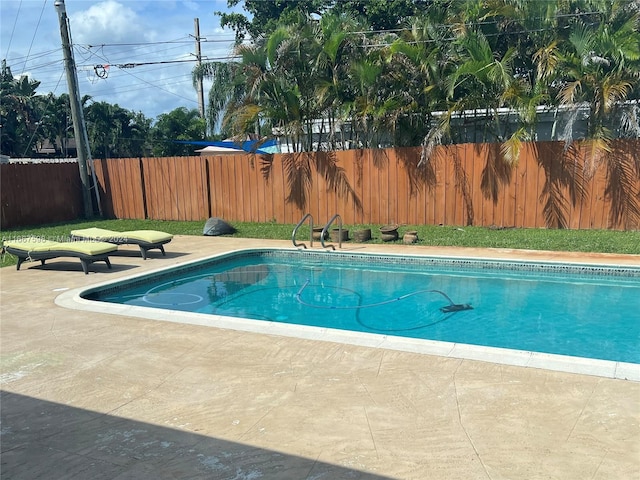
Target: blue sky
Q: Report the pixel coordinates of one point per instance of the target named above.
(116, 33)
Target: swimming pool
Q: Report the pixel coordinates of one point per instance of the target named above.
(520, 311)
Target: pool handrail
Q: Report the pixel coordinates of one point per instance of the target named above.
(326, 229)
(295, 230)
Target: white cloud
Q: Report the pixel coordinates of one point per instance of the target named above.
(147, 33)
(107, 22)
(193, 6)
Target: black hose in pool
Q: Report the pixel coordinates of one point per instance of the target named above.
(451, 309)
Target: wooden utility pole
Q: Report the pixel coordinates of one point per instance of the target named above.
(199, 87)
(79, 127)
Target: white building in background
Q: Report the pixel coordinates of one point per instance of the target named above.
(478, 126)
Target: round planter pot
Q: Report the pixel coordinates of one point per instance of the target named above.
(317, 231)
(362, 235)
(389, 237)
(338, 236)
(410, 237)
(389, 233)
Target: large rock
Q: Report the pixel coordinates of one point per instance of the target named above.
(216, 226)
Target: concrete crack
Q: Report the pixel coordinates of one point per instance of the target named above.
(595, 472)
(255, 424)
(380, 364)
(579, 416)
(373, 440)
(455, 386)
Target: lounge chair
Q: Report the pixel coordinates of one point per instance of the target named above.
(34, 248)
(145, 239)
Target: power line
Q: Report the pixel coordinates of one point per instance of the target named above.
(203, 39)
(90, 51)
(102, 51)
(145, 84)
(129, 65)
(34, 34)
(13, 29)
(140, 64)
(45, 53)
(472, 24)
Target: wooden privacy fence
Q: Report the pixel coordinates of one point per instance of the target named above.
(40, 193)
(460, 185)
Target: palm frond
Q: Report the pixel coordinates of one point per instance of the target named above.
(335, 176)
(298, 173)
(562, 172)
(554, 211)
(570, 92)
(510, 149)
(623, 188)
(495, 173)
(630, 121)
(614, 90)
(581, 38)
(462, 184)
(419, 176)
(596, 150)
(547, 60)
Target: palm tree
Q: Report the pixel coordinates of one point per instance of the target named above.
(331, 69)
(416, 66)
(56, 120)
(18, 113)
(224, 89)
(180, 124)
(101, 130)
(598, 71)
(272, 100)
(291, 79)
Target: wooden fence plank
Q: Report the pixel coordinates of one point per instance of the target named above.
(390, 186)
(367, 201)
(599, 216)
(215, 171)
(467, 165)
(509, 199)
(223, 207)
(379, 209)
(408, 206)
(530, 179)
(520, 176)
(278, 188)
(478, 198)
(257, 187)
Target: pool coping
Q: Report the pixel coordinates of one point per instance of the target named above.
(72, 299)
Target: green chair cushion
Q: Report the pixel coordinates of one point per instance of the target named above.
(149, 236)
(40, 245)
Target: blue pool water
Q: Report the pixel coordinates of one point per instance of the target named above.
(577, 310)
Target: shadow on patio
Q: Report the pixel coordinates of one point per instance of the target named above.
(42, 439)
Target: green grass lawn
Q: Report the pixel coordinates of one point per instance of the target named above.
(603, 241)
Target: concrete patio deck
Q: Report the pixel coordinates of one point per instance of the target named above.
(100, 396)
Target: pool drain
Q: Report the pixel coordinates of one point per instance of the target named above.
(173, 299)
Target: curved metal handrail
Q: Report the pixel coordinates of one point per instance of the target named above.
(326, 228)
(295, 230)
